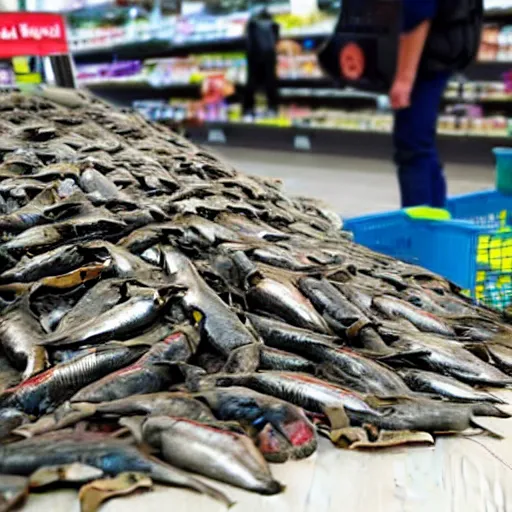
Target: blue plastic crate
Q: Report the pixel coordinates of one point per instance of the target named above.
(488, 208)
(474, 249)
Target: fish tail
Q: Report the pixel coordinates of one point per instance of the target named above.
(476, 424)
(164, 474)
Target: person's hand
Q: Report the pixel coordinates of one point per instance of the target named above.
(400, 93)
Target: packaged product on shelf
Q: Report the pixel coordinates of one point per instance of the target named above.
(490, 43)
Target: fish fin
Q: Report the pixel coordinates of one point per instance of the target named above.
(245, 359)
(478, 424)
(92, 495)
(192, 375)
(70, 473)
(489, 410)
(388, 439)
(52, 340)
(192, 334)
(345, 437)
(480, 350)
(134, 425)
(411, 356)
(172, 290)
(168, 475)
(337, 417)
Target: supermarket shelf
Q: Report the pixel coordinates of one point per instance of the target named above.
(487, 70)
(498, 15)
(454, 148)
(124, 93)
(314, 92)
(154, 49)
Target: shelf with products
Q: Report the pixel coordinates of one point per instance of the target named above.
(368, 120)
(175, 60)
(333, 141)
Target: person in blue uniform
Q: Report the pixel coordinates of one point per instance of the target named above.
(438, 38)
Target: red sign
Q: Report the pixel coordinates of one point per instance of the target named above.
(32, 34)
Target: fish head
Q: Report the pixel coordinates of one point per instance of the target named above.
(175, 262)
(273, 445)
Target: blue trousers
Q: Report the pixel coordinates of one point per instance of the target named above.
(420, 171)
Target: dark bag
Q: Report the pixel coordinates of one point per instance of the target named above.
(362, 52)
(454, 38)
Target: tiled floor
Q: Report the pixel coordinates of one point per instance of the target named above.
(351, 185)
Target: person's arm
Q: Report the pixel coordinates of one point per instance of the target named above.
(417, 21)
(409, 55)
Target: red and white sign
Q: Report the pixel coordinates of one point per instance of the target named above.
(32, 34)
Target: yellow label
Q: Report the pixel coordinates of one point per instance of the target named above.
(197, 315)
(21, 65)
(29, 78)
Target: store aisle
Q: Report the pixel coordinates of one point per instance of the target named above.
(352, 186)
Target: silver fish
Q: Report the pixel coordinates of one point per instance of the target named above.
(121, 321)
(210, 451)
(429, 382)
(20, 333)
(218, 323)
(426, 322)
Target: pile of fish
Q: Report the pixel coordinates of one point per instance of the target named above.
(162, 314)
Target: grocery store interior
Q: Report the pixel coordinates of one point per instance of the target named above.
(182, 65)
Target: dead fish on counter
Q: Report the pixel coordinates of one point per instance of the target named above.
(56, 262)
(278, 297)
(358, 372)
(449, 358)
(175, 404)
(45, 391)
(428, 415)
(93, 181)
(218, 323)
(29, 215)
(142, 309)
(251, 228)
(501, 356)
(169, 403)
(447, 387)
(20, 333)
(98, 300)
(223, 322)
(426, 322)
(214, 452)
(51, 305)
(250, 358)
(146, 375)
(303, 390)
(341, 315)
(41, 238)
(279, 429)
(112, 456)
